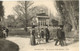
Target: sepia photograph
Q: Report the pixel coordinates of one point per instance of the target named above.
(39, 25)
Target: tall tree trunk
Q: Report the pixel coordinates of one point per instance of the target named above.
(69, 8)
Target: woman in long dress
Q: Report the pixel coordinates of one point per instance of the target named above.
(47, 34)
(33, 37)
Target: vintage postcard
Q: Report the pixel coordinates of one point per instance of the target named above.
(39, 25)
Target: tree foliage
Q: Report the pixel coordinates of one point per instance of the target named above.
(69, 11)
(31, 12)
(21, 10)
(10, 21)
(1, 9)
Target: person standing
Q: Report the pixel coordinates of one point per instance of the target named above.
(47, 34)
(63, 38)
(4, 33)
(42, 33)
(32, 38)
(60, 36)
(1, 31)
(7, 31)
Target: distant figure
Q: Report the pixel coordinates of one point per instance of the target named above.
(4, 33)
(60, 36)
(47, 34)
(33, 36)
(7, 31)
(42, 33)
(1, 32)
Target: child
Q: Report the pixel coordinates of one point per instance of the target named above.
(38, 39)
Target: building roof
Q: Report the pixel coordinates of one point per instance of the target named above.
(42, 14)
(43, 17)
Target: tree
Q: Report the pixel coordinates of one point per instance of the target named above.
(31, 12)
(68, 12)
(20, 22)
(1, 10)
(1, 16)
(21, 10)
(10, 21)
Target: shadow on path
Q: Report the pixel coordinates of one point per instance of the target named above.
(6, 45)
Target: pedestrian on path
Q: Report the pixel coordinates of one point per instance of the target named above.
(4, 33)
(60, 36)
(47, 34)
(42, 33)
(32, 38)
(7, 31)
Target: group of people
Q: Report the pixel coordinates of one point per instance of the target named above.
(41, 36)
(3, 32)
(45, 34)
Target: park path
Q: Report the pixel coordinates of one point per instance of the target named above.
(24, 45)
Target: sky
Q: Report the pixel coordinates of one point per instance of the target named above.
(8, 7)
(50, 4)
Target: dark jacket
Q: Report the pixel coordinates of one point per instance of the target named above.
(47, 33)
(33, 32)
(63, 35)
(42, 34)
(7, 30)
(60, 34)
(1, 32)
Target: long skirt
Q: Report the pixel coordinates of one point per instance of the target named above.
(32, 40)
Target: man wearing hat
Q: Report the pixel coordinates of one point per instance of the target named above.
(60, 35)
